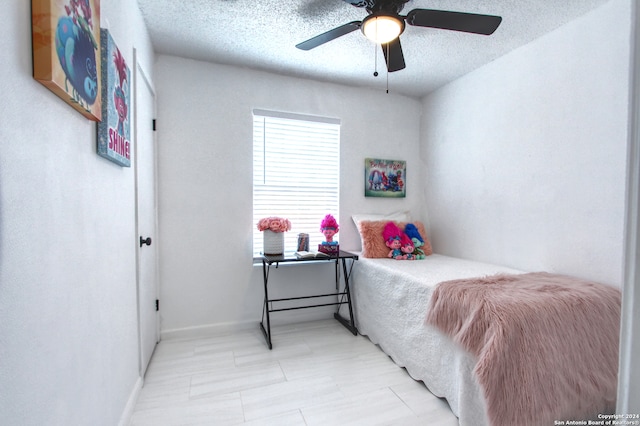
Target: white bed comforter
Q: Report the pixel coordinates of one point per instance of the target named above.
(390, 302)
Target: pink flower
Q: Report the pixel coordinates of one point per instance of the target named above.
(275, 224)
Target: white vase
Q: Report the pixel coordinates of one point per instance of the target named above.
(273, 242)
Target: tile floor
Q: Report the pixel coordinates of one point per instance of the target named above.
(317, 374)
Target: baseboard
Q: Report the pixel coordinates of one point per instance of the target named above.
(280, 318)
(206, 330)
(125, 419)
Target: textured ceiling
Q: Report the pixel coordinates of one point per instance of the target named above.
(262, 34)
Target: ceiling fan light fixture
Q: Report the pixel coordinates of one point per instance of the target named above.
(382, 28)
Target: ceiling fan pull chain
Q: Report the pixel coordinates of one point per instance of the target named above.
(387, 68)
(375, 60)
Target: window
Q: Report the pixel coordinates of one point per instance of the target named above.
(296, 173)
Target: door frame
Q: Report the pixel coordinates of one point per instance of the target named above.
(629, 368)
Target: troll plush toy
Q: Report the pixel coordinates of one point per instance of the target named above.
(393, 239)
(329, 227)
(407, 247)
(412, 232)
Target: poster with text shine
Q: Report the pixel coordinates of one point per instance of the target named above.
(114, 134)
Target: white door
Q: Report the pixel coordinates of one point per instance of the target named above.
(146, 217)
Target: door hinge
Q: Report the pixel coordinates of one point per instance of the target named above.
(157, 305)
(154, 124)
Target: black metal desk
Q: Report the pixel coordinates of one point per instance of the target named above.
(343, 297)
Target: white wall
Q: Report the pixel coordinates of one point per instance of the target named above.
(68, 333)
(205, 193)
(526, 156)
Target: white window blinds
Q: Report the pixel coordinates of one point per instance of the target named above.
(296, 173)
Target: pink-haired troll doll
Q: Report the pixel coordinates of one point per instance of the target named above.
(393, 239)
(407, 247)
(329, 227)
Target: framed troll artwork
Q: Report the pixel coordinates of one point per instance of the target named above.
(114, 130)
(66, 51)
(385, 178)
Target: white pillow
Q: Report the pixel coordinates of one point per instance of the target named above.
(402, 216)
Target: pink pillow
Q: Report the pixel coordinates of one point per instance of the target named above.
(373, 245)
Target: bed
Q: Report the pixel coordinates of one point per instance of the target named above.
(391, 299)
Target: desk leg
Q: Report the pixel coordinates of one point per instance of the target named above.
(350, 325)
(265, 309)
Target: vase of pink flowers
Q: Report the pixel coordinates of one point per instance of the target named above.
(273, 229)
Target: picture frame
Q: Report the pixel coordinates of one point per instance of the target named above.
(385, 178)
(66, 52)
(114, 130)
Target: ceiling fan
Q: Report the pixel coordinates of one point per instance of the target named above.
(384, 24)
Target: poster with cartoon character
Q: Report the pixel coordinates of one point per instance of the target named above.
(114, 135)
(66, 51)
(385, 178)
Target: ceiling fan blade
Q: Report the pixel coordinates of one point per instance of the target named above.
(329, 35)
(456, 21)
(360, 3)
(393, 55)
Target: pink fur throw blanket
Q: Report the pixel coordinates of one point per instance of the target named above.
(546, 344)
